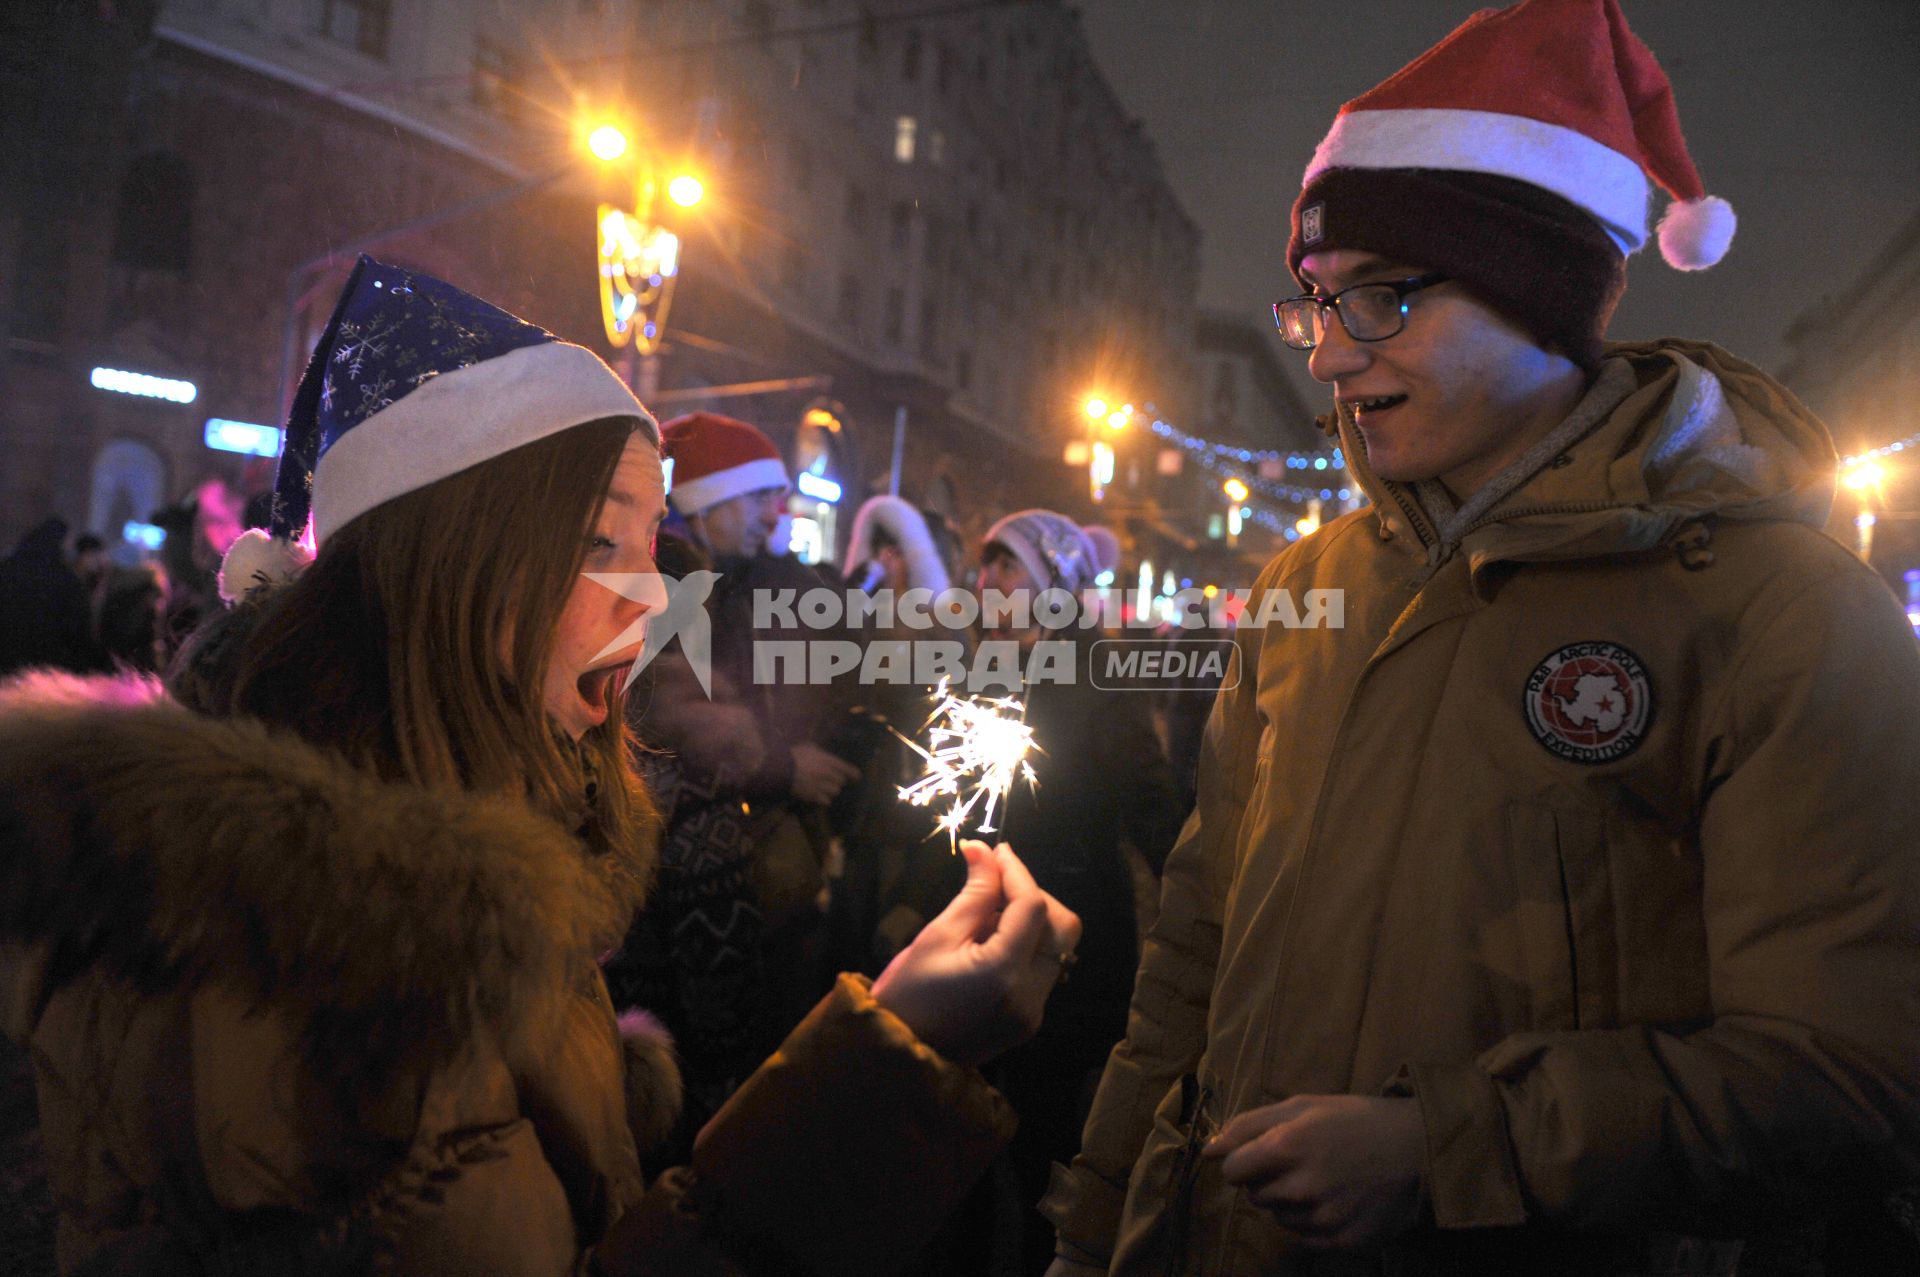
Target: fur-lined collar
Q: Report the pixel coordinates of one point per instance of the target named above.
(394, 921)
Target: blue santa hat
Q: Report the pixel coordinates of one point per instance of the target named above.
(413, 381)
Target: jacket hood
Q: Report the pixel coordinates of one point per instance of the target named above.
(1685, 431)
(396, 923)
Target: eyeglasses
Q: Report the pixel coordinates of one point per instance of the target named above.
(1369, 312)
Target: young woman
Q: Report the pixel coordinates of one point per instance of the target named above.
(305, 957)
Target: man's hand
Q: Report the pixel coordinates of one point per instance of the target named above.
(1342, 1171)
(819, 776)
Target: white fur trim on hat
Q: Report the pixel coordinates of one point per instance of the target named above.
(908, 527)
(691, 496)
(1609, 186)
(461, 418)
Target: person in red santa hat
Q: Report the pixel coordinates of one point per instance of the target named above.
(732, 938)
(1551, 909)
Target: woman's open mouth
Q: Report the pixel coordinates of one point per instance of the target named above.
(599, 687)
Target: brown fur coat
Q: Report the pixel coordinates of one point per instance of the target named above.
(286, 1017)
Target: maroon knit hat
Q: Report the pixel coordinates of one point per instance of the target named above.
(1529, 254)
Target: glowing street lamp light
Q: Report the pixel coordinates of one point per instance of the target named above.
(607, 142)
(1862, 474)
(1236, 491)
(1096, 408)
(686, 190)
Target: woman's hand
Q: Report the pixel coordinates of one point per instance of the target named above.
(1343, 1171)
(974, 981)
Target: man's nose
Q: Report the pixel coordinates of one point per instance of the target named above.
(1337, 354)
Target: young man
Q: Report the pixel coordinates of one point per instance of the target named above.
(1587, 941)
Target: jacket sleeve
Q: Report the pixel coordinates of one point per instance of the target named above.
(842, 1154)
(1166, 1025)
(1803, 1083)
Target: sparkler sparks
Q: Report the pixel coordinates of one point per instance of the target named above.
(979, 748)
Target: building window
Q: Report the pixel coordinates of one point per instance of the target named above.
(900, 225)
(936, 147)
(129, 484)
(40, 287)
(848, 309)
(896, 318)
(903, 131)
(929, 328)
(359, 24)
(153, 225)
(497, 79)
(910, 58)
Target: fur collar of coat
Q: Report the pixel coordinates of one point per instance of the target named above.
(397, 923)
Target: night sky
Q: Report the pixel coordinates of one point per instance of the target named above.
(1804, 114)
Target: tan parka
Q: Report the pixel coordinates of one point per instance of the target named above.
(1645, 947)
(286, 1017)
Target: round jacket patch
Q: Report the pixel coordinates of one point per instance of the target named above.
(1590, 702)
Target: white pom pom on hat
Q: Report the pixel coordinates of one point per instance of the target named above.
(255, 560)
(1694, 234)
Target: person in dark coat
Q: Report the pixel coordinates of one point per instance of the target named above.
(45, 618)
(1101, 785)
(730, 949)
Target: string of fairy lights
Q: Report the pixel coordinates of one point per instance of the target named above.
(1251, 476)
(1252, 469)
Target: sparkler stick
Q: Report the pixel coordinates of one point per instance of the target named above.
(979, 747)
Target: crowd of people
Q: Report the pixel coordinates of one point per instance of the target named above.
(1557, 910)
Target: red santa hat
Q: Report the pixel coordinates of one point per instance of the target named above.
(1556, 93)
(716, 458)
(1514, 156)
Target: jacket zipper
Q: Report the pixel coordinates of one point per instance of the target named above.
(1527, 512)
(1196, 1104)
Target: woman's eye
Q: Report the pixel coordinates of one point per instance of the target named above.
(600, 543)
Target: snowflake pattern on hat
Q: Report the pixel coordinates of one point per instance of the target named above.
(393, 331)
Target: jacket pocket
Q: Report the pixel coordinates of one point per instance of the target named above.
(1563, 914)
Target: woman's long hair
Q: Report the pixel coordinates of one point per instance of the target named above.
(388, 648)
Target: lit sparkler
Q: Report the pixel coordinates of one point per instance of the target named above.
(979, 748)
